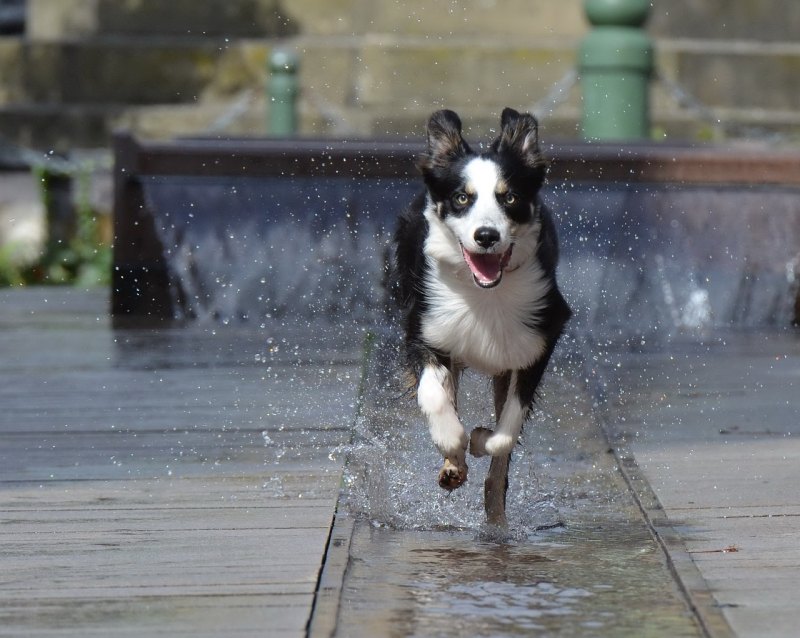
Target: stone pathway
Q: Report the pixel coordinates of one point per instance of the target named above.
(714, 428)
(180, 481)
(160, 483)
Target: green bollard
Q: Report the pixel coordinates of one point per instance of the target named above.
(615, 67)
(282, 93)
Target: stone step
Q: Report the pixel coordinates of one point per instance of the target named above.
(120, 71)
(366, 69)
(59, 20)
(61, 129)
(374, 70)
(739, 73)
(758, 20)
(753, 20)
(69, 19)
(531, 19)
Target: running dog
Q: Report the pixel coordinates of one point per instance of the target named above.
(474, 273)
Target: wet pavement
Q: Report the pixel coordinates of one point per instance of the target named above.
(578, 559)
(192, 481)
(163, 482)
(713, 424)
(603, 578)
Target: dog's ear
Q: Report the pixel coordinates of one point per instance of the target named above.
(520, 135)
(444, 140)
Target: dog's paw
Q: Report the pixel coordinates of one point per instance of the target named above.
(483, 441)
(477, 441)
(499, 444)
(452, 476)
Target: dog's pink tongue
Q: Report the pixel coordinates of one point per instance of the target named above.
(486, 267)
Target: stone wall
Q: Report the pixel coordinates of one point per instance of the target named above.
(86, 67)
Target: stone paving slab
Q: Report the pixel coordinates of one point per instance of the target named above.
(179, 489)
(186, 488)
(714, 428)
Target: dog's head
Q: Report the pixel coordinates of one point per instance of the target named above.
(486, 200)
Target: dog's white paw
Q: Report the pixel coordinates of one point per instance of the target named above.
(483, 441)
(477, 441)
(449, 437)
(499, 444)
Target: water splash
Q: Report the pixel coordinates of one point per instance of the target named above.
(689, 307)
(392, 468)
(246, 249)
(696, 313)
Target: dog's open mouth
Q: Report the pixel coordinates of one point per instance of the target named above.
(487, 268)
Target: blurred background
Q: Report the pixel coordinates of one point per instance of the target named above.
(74, 71)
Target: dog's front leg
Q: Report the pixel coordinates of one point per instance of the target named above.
(495, 489)
(436, 396)
(496, 486)
(511, 413)
(513, 399)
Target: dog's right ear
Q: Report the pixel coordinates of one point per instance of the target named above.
(444, 140)
(520, 135)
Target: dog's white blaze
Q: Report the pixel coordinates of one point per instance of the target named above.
(483, 329)
(481, 179)
(436, 399)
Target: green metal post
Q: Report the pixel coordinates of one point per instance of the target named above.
(282, 93)
(615, 67)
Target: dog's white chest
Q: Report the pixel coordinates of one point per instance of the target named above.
(489, 330)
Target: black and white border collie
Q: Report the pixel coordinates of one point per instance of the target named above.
(475, 275)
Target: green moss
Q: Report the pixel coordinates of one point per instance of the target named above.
(84, 260)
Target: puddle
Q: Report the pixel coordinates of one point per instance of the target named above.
(600, 579)
(578, 560)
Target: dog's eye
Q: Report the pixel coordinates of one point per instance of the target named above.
(509, 199)
(460, 199)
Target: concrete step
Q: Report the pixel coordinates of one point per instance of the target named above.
(529, 19)
(68, 19)
(375, 70)
(758, 20)
(61, 128)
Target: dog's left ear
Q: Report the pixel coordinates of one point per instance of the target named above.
(520, 135)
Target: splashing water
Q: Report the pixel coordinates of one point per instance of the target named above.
(391, 474)
(272, 248)
(696, 313)
(690, 307)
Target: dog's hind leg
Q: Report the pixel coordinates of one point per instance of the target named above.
(436, 396)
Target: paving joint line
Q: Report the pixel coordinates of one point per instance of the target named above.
(690, 582)
(324, 616)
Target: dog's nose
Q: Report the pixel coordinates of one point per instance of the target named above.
(486, 237)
